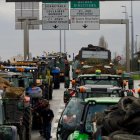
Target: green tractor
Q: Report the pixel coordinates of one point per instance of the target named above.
(115, 123)
(60, 61)
(103, 84)
(76, 121)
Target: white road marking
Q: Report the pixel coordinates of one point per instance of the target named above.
(56, 119)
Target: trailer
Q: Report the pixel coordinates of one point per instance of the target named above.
(16, 112)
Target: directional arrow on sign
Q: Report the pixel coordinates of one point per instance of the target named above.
(85, 26)
(55, 26)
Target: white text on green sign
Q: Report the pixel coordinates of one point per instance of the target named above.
(85, 4)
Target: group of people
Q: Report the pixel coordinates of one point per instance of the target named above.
(46, 114)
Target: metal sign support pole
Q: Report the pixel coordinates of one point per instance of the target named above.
(64, 41)
(26, 40)
(60, 42)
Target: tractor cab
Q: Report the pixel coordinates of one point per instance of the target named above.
(88, 91)
(99, 79)
(25, 74)
(79, 116)
(16, 79)
(103, 84)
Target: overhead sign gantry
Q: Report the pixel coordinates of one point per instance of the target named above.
(27, 22)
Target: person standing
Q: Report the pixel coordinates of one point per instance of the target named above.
(37, 111)
(47, 116)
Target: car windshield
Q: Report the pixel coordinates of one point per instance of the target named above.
(72, 114)
(92, 110)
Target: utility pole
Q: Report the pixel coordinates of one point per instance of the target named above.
(26, 40)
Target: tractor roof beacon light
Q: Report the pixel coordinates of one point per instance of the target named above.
(98, 72)
(82, 63)
(82, 89)
(77, 71)
(73, 82)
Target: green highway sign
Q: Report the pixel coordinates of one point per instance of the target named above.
(85, 4)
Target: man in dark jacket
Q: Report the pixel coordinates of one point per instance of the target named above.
(47, 116)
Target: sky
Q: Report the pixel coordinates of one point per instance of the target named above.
(11, 40)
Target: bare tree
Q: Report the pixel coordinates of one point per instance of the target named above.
(103, 43)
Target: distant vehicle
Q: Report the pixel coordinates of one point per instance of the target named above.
(99, 79)
(78, 115)
(60, 61)
(16, 79)
(90, 57)
(87, 91)
(101, 84)
(34, 71)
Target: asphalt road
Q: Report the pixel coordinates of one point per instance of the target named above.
(57, 106)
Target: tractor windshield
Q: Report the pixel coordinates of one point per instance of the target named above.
(90, 117)
(102, 82)
(72, 114)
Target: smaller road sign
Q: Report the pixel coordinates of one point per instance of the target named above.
(118, 58)
(85, 19)
(55, 16)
